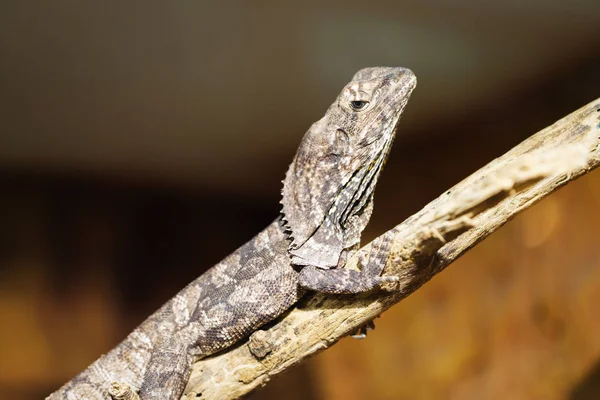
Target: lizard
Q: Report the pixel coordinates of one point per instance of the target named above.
(327, 200)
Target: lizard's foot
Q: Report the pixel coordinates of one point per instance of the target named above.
(260, 343)
(122, 391)
(361, 331)
(348, 281)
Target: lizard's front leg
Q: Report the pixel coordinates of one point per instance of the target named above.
(347, 281)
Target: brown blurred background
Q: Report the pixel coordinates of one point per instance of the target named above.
(141, 142)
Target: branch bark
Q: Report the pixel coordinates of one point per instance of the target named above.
(417, 249)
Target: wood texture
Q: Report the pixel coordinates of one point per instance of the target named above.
(422, 246)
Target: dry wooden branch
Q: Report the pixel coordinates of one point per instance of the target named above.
(421, 246)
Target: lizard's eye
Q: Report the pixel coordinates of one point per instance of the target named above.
(359, 105)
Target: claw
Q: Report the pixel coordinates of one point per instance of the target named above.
(361, 331)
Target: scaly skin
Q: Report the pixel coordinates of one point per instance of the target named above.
(327, 202)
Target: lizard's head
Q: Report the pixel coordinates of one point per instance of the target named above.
(328, 188)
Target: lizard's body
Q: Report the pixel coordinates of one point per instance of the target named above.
(327, 201)
(214, 311)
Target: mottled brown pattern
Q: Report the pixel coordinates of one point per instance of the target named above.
(327, 201)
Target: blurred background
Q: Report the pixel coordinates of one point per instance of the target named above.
(141, 142)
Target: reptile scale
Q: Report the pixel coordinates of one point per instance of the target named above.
(327, 202)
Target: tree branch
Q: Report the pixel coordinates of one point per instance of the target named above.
(417, 249)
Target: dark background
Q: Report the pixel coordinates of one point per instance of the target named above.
(141, 142)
